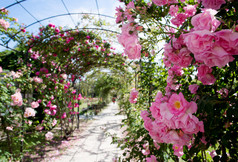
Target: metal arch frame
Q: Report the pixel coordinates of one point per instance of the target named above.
(68, 12)
(13, 4)
(28, 12)
(67, 30)
(78, 13)
(6, 46)
(55, 16)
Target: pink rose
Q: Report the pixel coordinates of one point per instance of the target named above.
(179, 19)
(39, 127)
(145, 152)
(29, 112)
(165, 112)
(193, 88)
(213, 153)
(175, 70)
(178, 43)
(205, 76)
(177, 104)
(47, 111)
(139, 28)
(173, 137)
(66, 87)
(37, 80)
(44, 70)
(190, 10)
(30, 122)
(119, 14)
(214, 4)
(35, 55)
(133, 48)
(49, 136)
(192, 125)
(156, 145)
(228, 40)
(4, 24)
(147, 121)
(155, 110)
(53, 112)
(217, 56)
(144, 114)
(54, 122)
(9, 128)
(164, 2)
(160, 2)
(152, 158)
(64, 115)
(159, 131)
(158, 97)
(184, 57)
(223, 92)
(171, 57)
(51, 25)
(0, 69)
(128, 29)
(203, 70)
(178, 150)
(15, 74)
(205, 20)
(210, 48)
(57, 30)
(133, 96)
(128, 13)
(17, 98)
(79, 97)
(34, 105)
(48, 104)
(199, 42)
(173, 10)
(122, 39)
(64, 76)
(53, 107)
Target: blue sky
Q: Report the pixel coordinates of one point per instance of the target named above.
(41, 9)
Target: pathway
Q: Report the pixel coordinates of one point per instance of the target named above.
(94, 144)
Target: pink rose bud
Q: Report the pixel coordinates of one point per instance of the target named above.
(139, 28)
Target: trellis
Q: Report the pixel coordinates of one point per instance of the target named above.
(68, 13)
(6, 45)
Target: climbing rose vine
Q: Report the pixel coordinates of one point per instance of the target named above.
(172, 120)
(200, 57)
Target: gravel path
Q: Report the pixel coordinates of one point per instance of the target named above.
(94, 144)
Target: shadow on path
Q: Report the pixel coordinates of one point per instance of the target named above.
(94, 144)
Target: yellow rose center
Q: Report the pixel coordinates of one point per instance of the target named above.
(177, 105)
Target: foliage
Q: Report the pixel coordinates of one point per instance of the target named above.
(105, 85)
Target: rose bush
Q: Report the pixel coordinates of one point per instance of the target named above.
(41, 93)
(201, 59)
